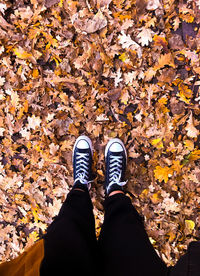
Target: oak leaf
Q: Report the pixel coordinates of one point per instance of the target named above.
(190, 128)
(163, 60)
(145, 36)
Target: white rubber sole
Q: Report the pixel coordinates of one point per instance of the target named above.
(115, 140)
(82, 137)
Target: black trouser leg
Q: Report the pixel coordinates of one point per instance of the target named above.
(124, 244)
(70, 242)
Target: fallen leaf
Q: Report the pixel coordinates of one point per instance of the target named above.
(190, 128)
(162, 173)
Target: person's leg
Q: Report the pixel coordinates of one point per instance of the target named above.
(123, 243)
(70, 242)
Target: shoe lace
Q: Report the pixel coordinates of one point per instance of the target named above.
(115, 171)
(82, 168)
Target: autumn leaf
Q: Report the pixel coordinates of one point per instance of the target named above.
(189, 144)
(128, 43)
(20, 53)
(189, 225)
(105, 69)
(176, 166)
(163, 60)
(194, 155)
(145, 36)
(73, 130)
(124, 97)
(34, 122)
(190, 128)
(157, 143)
(162, 173)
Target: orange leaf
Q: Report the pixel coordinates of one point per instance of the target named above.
(166, 59)
(35, 73)
(162, 173)
(20, 53)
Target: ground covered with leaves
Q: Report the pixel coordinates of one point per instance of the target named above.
(103, 68)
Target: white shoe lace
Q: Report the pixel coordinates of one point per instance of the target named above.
(82, 173)
(115, 172)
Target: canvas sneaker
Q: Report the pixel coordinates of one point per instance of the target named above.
(116, 160)
(82, 162)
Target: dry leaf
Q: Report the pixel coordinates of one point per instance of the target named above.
(190, 128)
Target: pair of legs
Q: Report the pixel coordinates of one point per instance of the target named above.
(123, 247)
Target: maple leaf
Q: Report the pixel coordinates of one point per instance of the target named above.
(162, 173)
(145, 36)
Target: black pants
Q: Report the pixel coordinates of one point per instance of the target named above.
(123, 247)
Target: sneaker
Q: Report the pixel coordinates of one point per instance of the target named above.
(116, 160)
(82, 162)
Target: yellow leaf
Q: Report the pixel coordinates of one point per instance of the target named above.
(152, 241)
(35, 214)
(187, 18)
(123, 57)
(35, 73)
(190, 225)
(156, 198)
(163, 100)
(185, 91)
(171, 235)
(26, 106)
(161, 173)
(195, 155)
(176, 166)
(20, 53)
(189, 144)
(60, 3)
(21, 112)
(33, 237)
(160, 41)
(157, 143)
(100, 172)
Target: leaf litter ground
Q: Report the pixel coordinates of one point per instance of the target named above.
(103, 68)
